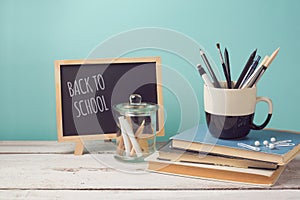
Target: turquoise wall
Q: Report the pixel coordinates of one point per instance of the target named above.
(34, 33)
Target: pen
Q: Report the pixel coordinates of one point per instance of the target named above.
(226, 55)
(246, 68)
(223, 66)
(251, 70)
(216, 82)
(253, 77)
(265, 66)
(253, 66)
(204, 76)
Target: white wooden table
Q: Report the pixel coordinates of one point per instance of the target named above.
(49, 170)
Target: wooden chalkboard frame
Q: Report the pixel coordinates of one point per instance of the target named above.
(79, 139)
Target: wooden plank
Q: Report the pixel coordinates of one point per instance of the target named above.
(51, 147)
(9, 147)
(51, 165)
(102, 171)
(136, 195)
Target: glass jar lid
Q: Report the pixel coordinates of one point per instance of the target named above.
(136, 107)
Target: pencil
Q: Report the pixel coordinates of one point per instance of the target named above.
(272, 57)
(204, 76)
(139, 131)
(250, 81)
(265, 66)
(210, 70)
(130, 135)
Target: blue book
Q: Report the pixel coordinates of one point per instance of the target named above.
(199, 139)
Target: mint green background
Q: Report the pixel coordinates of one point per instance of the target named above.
(34, 33)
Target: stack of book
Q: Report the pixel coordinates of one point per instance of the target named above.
(196, 153)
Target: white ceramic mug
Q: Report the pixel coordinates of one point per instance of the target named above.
(230, 112)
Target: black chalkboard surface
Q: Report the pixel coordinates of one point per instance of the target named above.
(86, 91)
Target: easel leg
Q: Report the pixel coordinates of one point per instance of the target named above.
(79, 148)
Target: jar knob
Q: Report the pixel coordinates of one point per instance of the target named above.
(135, 99)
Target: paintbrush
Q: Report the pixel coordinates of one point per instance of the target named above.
(224, 67)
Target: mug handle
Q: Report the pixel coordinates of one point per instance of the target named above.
(269, 102)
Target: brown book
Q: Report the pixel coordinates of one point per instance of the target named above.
(213, 172)
(178, 155)
(199, 139)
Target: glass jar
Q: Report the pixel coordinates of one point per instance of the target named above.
(137, 122)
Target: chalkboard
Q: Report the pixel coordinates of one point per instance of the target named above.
(86, 91)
